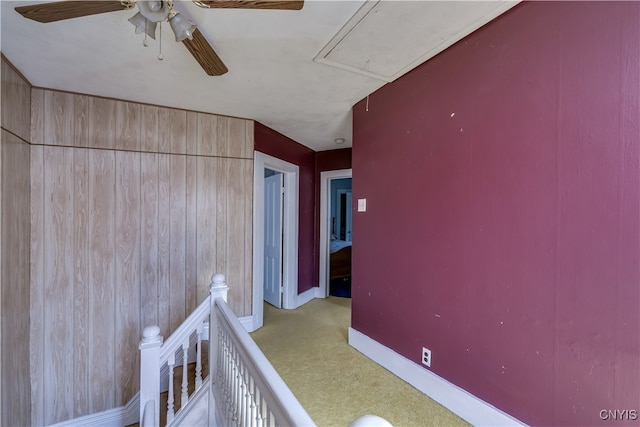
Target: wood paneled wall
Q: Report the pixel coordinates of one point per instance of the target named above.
(16, 101)
(134, 207)
(15, 394)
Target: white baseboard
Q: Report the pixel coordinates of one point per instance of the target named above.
(307, 296)
(248, 323)
(251, 323)
(122, 416)
(457, 400)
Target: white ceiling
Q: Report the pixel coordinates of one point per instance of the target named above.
(272, 76)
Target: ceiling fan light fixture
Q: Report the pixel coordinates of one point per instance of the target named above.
(182, 27)
(154, 11)
(143, 25)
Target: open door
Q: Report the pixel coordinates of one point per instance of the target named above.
(273, 186)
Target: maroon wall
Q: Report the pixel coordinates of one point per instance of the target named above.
(311, 163)
(503, 193)
(329, 160)
(270, 142)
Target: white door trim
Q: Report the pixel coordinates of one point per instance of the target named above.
(325, 200)
(290, 233)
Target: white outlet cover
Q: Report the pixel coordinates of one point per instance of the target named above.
(426, 356)
(362, 205)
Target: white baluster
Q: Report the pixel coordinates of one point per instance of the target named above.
(240, 404)
(234, 388)
(150, 369)
(252, 410)
(170, 400)
(231, 374)
(199, 356)
(246, 417)
(185, 377)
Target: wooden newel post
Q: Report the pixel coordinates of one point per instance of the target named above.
(218, 289)
(150, 371)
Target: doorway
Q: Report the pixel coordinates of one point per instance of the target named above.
(326, 222)
(289, 249)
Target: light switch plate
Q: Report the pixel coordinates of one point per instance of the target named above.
(362, 205)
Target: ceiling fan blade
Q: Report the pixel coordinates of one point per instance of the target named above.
(205, 55)
(252, 4)
(61, 10)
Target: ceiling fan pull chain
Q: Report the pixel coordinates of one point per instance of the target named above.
(160, 57)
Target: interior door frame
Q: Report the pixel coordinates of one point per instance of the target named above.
(291, 174)
(325, 204)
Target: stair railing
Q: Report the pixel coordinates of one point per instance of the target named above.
(247, 390)
(181, 348)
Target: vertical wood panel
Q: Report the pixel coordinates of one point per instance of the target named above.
(37, 116)
(36, 296)
(164, 249)
(191, 277)
(178, 131)
(149, 238)
(235, 236)
(128, 126)
(14, 274)
(205, 136)
(16, 102)
(102, 123)
(127, 274)
(80, 252)
(149, 132)
(177, 238)
(81, 121)
(248, 140)
(58, 285)
(220, 235)
(102, 293)
(164, 136)
(206, 217)
(248, 236)
(220, 136)
(235, 136)
(59, 114)
(192, 132)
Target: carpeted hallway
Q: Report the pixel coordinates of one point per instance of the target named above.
(334, 382)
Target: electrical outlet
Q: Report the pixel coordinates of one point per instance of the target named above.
(426, 356)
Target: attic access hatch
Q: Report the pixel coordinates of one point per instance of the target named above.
(386, 39)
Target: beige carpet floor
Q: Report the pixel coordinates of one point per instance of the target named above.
(334, 382)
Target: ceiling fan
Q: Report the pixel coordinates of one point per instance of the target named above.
(152, 12)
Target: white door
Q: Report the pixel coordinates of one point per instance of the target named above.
(273, 239)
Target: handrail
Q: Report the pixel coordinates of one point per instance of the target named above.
(185, 330)
(279, 399)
